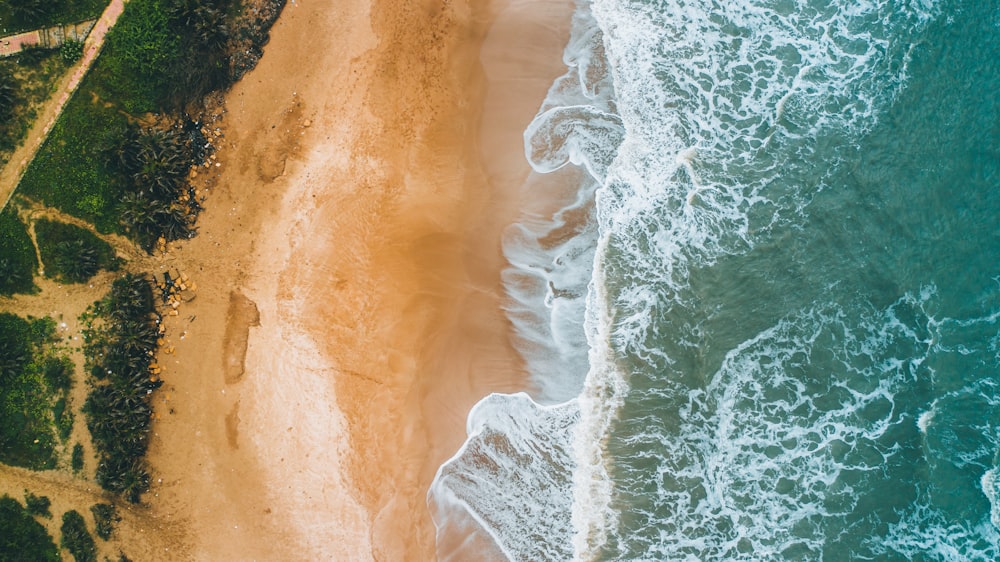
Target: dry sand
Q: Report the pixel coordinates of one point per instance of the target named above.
(348, 271)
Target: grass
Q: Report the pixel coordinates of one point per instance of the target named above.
(71, 171)
(28, 424)
(36, 73)
(72, 254)
(17, 256)
(23, 538)
(57, 12)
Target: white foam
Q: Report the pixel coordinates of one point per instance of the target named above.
(696, 123)
(924, 420)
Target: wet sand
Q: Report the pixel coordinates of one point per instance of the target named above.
(348, 269)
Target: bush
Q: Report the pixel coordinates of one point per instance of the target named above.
(76, 461)
(76, 539)
(23, 538)
(71, 51)
(37, 505)
(104, 519)
(58, 374)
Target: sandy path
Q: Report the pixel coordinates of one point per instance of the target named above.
(355, 219)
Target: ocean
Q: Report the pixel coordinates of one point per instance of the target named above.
(764, 321)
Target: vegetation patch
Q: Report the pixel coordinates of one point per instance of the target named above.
(37, 505)
(121, 342)
(23, 538)
(76, 539)
(71, 171)
(28, 393)
(120, 153)
(72, 254)
(76, 460)
(105, 518)
(17, 256)
(26, 81)
(25, 15)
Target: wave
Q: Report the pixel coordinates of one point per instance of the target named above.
(693, 128)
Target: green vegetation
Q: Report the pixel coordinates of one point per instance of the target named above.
(22, 537)
(76, 461)
(17, 256)
(26, 81)
(71, 171)
(33, 379)
(71, 51)
(37, 505)
(104, 519)
(9, 94)
(161, 57)
(24, 15)
(119, 351)
(72, 254)
(76, 539)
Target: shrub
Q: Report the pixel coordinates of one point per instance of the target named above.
(76, 539)
(37, 505)
(71, 51)
(104, 519)
(76, 461)
(23, 538)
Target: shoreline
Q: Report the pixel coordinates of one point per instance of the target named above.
(355, 220)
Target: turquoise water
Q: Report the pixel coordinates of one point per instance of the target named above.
(767, 325)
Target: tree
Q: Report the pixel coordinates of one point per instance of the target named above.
(77, 261)
(30, 13)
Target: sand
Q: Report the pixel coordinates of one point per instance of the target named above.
(348, 311)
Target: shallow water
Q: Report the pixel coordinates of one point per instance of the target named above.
(767, 324)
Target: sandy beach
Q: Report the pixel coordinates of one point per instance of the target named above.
(348, 311)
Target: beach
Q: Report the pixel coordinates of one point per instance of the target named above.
(349, 304)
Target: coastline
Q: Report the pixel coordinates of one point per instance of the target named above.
(348, 313)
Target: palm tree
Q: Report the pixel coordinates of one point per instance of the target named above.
(77, 261)
(131, 298)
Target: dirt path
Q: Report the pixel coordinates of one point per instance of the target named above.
(11, 174)
(154, 538)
